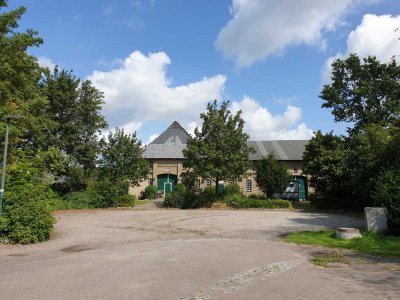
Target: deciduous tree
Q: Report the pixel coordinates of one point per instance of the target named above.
(218, 150)
(272, 176)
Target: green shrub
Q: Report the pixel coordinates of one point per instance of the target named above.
(26, 217)
(326, 201)
(150, 192)
(232, 189)
(387, 194)
(209, 191)
(104, 192)
(259, 196)
(239, 201)
(79, 200)
(125, 201)
(180, 188)
(186, 200)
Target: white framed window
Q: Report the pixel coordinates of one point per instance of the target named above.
(197, 184)
(249, 186)
(208, 182)
(150, 181)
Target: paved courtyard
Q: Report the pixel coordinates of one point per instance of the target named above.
(188, 254)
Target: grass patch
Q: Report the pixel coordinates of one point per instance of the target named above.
(371, 243)
(141, 202)
(324, 259)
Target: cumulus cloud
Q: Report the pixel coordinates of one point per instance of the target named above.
(139, 90)
(46, 62)
(260, 124)
(376, 36)
(260, 28)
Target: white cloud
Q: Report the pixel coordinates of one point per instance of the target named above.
(139, 90)
(260, 124)
(375, 36)
(46, 62)
(130, 127)
(260, 28)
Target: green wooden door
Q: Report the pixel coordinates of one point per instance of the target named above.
(166, 183)
(302, 181)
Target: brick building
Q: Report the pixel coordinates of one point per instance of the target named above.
(166, 159)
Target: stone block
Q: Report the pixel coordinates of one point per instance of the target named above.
(345, 233)
(375, 219)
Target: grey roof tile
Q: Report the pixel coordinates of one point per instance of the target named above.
(172, 142)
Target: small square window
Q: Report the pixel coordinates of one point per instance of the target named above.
(248, 186)
(150, 181)
(208, 182)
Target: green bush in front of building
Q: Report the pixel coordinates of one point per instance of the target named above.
(150, 192)
(239, 201)
(232, 189)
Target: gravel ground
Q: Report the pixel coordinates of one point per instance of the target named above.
(147, 253)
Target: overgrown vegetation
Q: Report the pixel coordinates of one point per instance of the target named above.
(363, 168)
(55, 159)
(371, 243)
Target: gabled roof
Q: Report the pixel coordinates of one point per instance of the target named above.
(168, 144)
(283, 150)
(171, 143)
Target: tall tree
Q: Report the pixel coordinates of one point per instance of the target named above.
(74, 106)
(20, 93)
(218, 151)
(121, 158)
(272, 176)
(325, 159)
(365, 92)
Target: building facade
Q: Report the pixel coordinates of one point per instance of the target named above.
(165, 156)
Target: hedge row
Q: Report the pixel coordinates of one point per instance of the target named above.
(239, 201)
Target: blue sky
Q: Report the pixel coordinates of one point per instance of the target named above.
(158, 61)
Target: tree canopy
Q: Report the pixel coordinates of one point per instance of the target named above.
(218, 150)
(121, 157)
(272, 176)
(363, 91)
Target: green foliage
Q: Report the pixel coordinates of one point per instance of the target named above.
(79, 200)
(272, 176)
(363, 92)
(371, 243)
(20, 74)
(187, 200)
(180, 188)
(240, 201)
(121, 157)
(150, 192)
(219, 150)
(74, 107)
(26, 217)
(209, 191)
(189, 179)
(107, 192)
(387, 194)
(232, 189)
(325, 159)
(125, 201)
(259, 196)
